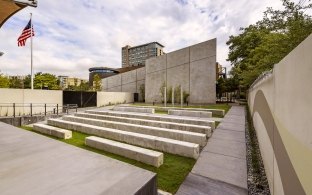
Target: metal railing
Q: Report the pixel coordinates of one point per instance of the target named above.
(30, 109)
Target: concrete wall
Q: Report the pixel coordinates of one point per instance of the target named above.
(23, 98)
(108, 98)
(193, 68)
(125, 82)
(281, 106)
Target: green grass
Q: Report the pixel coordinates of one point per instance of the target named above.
(170, 175)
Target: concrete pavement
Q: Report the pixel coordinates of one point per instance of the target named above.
(221, 167)
(34, 164)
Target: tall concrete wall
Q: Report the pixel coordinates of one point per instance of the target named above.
(108, 98)
(23, 97)
(193, 68)
(125, 82)
(281, 106)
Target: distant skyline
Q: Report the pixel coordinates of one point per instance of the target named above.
(73, 35)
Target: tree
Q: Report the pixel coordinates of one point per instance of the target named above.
(16, 82)
(4, 81)
(46, 80)
(265, 43)
(97, 82)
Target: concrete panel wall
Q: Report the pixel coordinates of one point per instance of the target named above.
(129, 87)
(23, 98)
(193, 68)
(113, 81)
(108, 98)
(280, 104)
(125, 82)
(153, 83)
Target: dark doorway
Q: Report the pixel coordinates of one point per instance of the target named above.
(136, 97)
(81, 98)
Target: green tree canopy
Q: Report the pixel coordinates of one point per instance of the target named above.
(46, 80)
(4, 81)
(259, 46)
(97, 82)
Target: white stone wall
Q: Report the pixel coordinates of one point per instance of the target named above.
(25, 97)
(285, 139)
(112, 98)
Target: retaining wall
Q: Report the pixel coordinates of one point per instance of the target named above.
(281, 106)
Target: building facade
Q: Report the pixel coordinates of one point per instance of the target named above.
(136, 56)
(66, 81)
(193, 69)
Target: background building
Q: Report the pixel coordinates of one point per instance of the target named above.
(136, 56)
(66, 81)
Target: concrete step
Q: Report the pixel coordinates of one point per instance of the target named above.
(53, 131)
(165, 118)
(147, 156)
(181, 148)
(134, 109)
(199, 114)
(197, 138)
(169, 125)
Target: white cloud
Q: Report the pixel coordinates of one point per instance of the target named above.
(72, 35)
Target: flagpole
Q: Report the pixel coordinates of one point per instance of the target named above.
(31, 54)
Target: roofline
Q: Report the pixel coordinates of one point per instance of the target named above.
(101, 68)
(145, 44)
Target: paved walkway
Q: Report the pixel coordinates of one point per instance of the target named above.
(221, 167)
(34, 164)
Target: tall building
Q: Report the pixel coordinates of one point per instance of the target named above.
(136, 56)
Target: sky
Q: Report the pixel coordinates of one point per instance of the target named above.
(73, 35)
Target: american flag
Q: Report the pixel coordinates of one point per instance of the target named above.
(25, 34)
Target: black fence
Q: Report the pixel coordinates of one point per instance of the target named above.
(30, 109)
(81, 98)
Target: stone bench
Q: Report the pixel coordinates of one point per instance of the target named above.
(186, 136)
(164, 118)
(181, 148)
(134, 109)
(214, 111)
(147, 156)
(53, 131)
(162, 124)
(199, 114)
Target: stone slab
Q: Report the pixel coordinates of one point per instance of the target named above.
(186, 136)
(150, 157)
(238, 136)
(153, 142)
(35, 164)
(226, 147)
(214, 111)
(134, 109)
(53, 131)
(199, 114)
(162, 124)
(240, 121)
(166, 118)
(196, 184)
(231, 126)
(223, 168)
